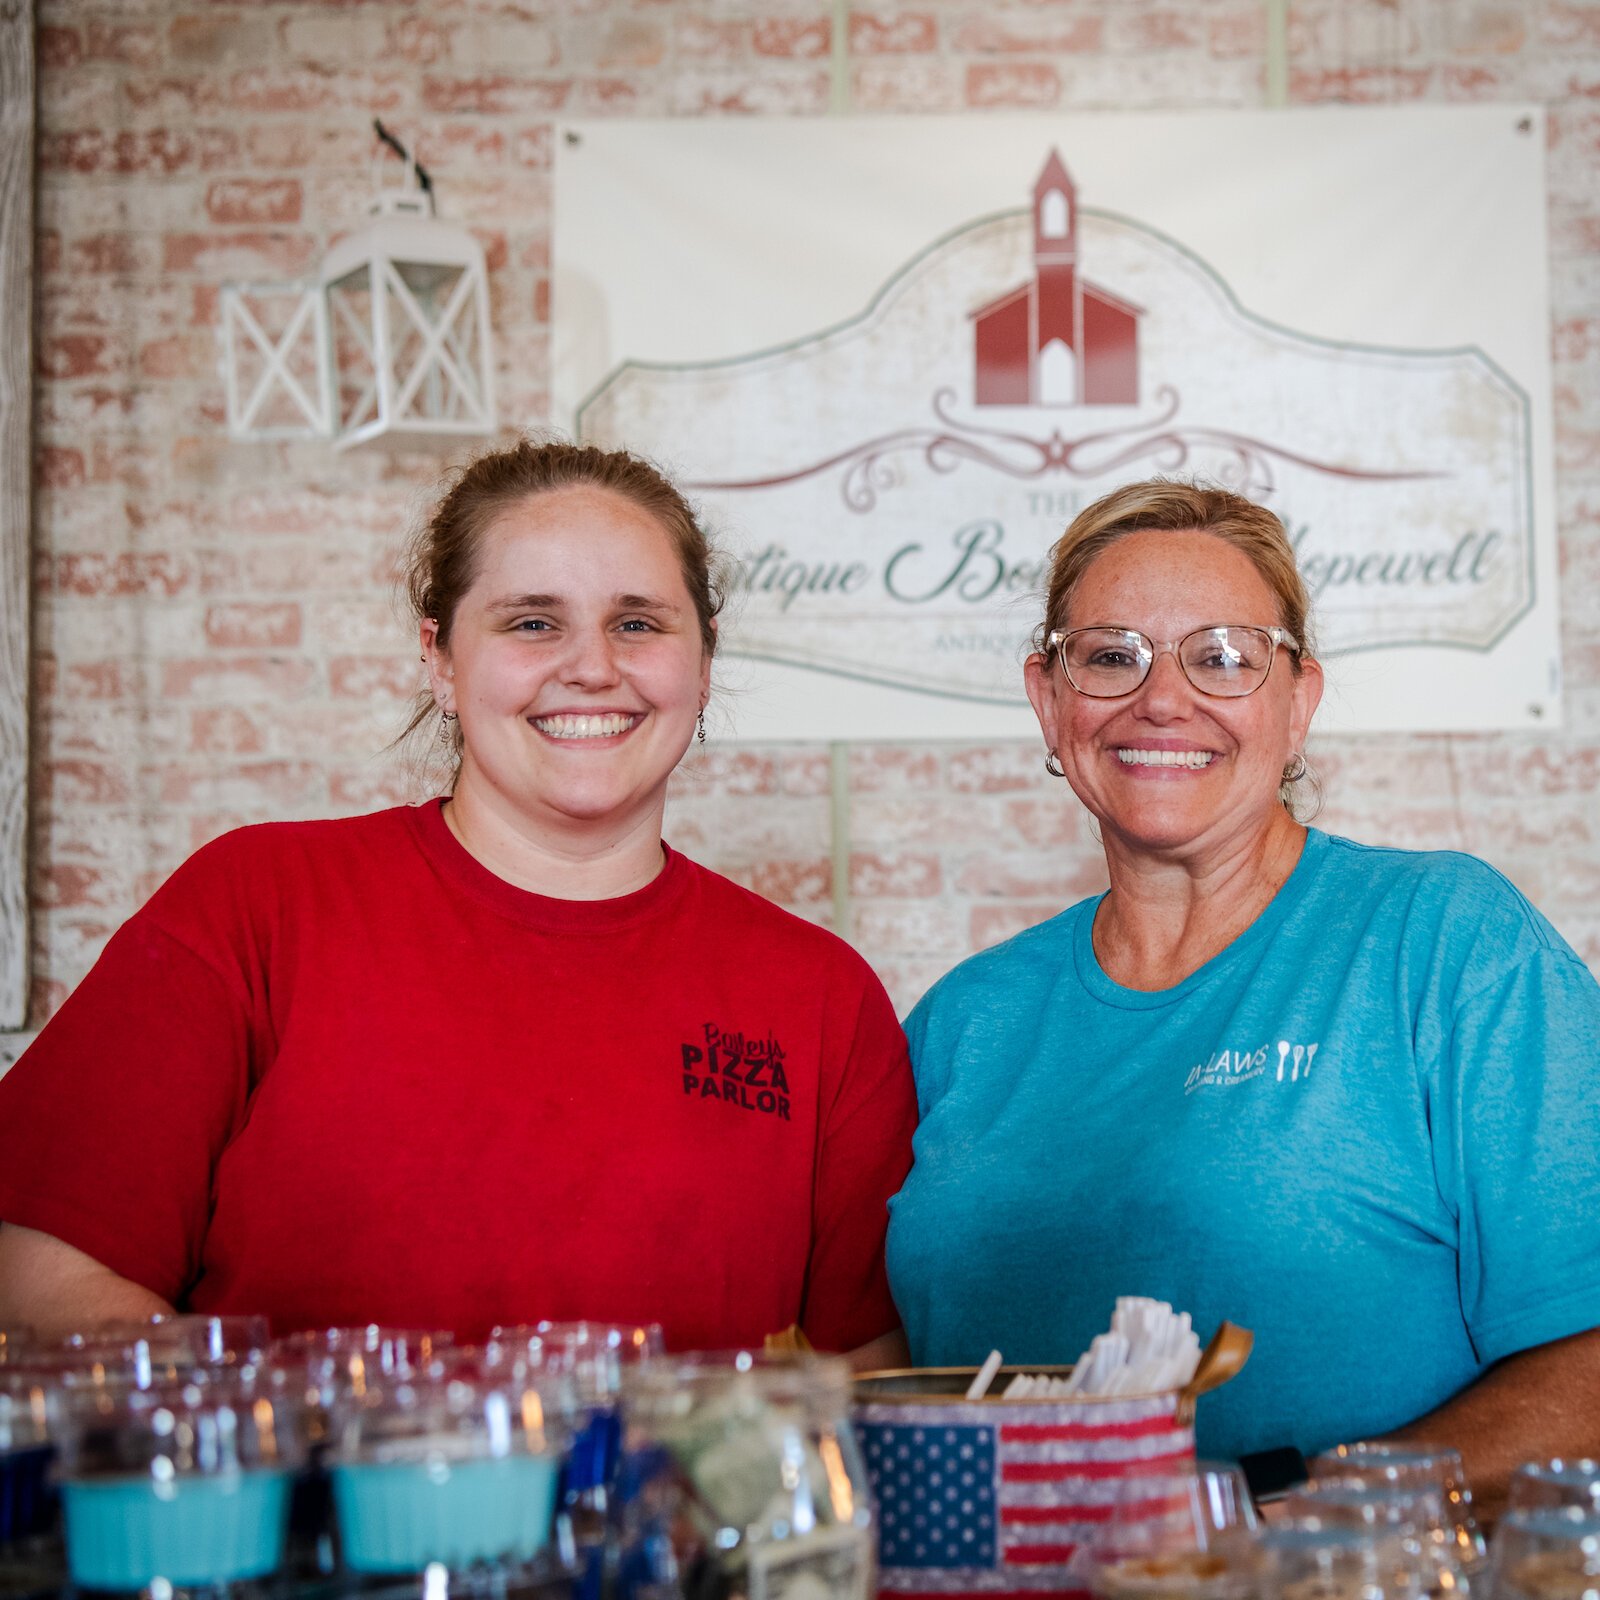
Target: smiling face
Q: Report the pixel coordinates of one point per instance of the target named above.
(1167, 768)
(575, 664)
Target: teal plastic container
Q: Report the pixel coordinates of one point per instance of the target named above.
(125, 1532)
(398, 1516)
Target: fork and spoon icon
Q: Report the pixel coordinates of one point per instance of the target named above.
(1303, 1055)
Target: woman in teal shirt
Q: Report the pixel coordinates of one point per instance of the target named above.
(1345, 1096)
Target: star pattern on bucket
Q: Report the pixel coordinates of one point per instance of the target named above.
(935, 1491)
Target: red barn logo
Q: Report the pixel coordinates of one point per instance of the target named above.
(1056, 340)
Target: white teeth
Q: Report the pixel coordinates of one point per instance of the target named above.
(1164, 758)
(576, 727)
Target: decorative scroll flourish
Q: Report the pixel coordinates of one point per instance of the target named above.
(870, 469)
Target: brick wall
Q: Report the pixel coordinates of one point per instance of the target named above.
(216, 639)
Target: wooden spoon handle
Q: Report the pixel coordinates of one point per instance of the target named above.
(1222, 1359)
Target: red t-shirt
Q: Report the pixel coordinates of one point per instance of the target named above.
(338, 1072)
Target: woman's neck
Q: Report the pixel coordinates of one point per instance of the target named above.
(1166, 916)
(583, 862)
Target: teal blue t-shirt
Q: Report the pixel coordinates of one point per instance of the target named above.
(1369, 1130)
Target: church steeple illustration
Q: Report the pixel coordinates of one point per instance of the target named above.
(1056, 340)
(1055, 214)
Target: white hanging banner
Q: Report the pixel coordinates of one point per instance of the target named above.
(892, 357)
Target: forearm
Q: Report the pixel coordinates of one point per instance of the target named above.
(1536, 1404)
(51, 1287)
(886, 1351)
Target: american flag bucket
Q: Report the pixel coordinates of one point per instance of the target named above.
(992, 1498)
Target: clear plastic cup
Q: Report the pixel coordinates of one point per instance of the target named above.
(155, 1353)
(1410, 1526)
(1312, 1560)
(1550, 1485)
(327, 1368)
(1547, 1554)
(176, 1487)
(28, 1421)
(233, 1341)
(595, 1354)
(593, 1357)
(1187, 1534)
(180, 1340)
(340, 1361)
(1413, 1466)
(16, 1342)
(741, 1475)
(455, 1466)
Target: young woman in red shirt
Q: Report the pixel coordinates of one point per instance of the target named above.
(502, 1056)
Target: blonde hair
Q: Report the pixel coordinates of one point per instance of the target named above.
(1168, 506)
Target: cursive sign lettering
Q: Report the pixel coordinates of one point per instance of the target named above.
(974, 566)
(1467, 562)
(980, 569)
(773, 571)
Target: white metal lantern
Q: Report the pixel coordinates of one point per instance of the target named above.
(275, 367)
(392, 343)
(408, 315)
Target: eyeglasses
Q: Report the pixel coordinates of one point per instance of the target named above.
(1228, 661)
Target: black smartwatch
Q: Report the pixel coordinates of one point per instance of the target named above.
(1271, 1474)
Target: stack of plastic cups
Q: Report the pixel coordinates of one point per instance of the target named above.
(594, 1358)
(176, 1486)
(327, 1368)
(447, 1478)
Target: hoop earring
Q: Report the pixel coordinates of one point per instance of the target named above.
(1052, 765)
(1297, 768)
(700, 728)
(445, 719)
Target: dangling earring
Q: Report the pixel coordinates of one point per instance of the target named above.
(1052, 765)
(445, 719)
(700, 727)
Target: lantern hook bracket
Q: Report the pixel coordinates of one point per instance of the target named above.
(424, 181)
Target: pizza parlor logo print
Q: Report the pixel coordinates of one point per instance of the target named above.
(738, 1069)
(1227, 1069)
(890, 485)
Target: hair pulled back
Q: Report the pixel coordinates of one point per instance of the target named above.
(1168, 506)
(441, 561)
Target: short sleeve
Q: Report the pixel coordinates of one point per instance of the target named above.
(1516, 1153)
(863, 1156)
(112, 1122)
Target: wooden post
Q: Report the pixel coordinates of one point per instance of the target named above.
(16, 491)
(1277, 74)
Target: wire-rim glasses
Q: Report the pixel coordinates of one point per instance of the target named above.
(1225, 660)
